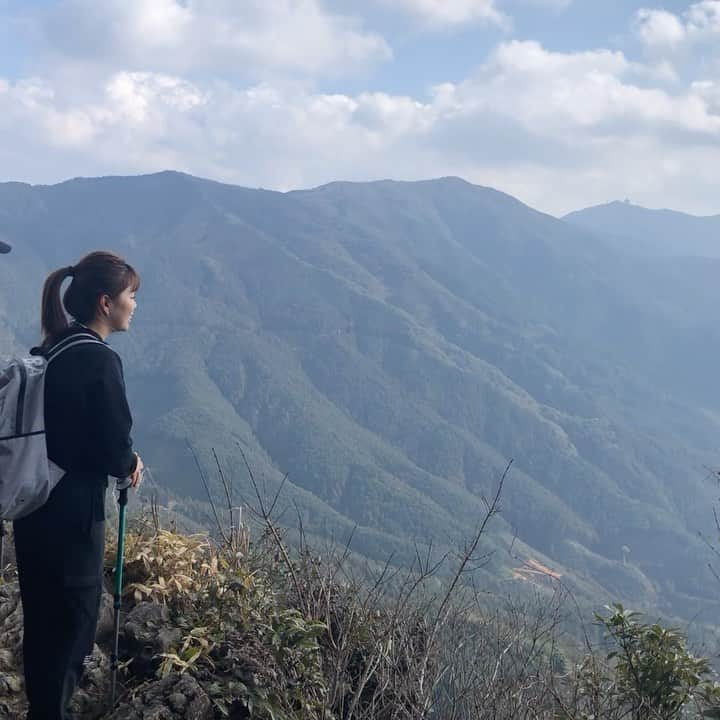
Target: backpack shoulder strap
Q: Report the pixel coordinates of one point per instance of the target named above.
(72, 341)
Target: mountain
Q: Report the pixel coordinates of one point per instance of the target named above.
(652, 232)
(391, 345)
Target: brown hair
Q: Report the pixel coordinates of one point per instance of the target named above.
(97, 274)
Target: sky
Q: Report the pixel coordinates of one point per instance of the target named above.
(562, 103)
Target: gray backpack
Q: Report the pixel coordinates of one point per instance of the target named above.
(27, 475)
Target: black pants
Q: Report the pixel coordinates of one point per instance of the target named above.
(59, 552)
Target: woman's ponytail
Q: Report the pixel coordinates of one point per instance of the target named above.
(52, 317)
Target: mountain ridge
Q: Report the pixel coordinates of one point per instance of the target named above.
(392, 345)
(658, 232)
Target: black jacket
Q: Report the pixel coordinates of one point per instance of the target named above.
(87, 418)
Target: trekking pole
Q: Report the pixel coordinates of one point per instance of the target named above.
(122, 486)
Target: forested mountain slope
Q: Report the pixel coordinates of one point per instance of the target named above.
(391, 345)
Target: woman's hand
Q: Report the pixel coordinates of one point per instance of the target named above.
(136, 477)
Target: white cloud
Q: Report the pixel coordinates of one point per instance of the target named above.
(559, 130)
(698, 26)
(704, 17)
(441, 13)
(132, 97)
(564, 130)
(220, 88)
(231, 37)
(586, 92)
(660, 29)
(709, 91)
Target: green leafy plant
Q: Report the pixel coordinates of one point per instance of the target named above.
(656, 674)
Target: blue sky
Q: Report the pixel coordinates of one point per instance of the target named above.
(423, 58)
(562, 103)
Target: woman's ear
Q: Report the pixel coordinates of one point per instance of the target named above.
(104, 306)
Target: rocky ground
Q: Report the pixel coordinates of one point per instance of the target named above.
(145, 633)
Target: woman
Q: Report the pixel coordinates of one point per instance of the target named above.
(60, 546)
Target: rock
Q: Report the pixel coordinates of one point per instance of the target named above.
(177, 701)
(9, 712)
(11, 619)
(91, 698)
(12, 695)
(175, 697)
(148, 632)
(10, 683)
(7, 660)
(106, 620)
(9, 558)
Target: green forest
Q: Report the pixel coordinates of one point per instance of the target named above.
(390, 346)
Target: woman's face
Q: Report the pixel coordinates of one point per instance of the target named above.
(122, 309)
